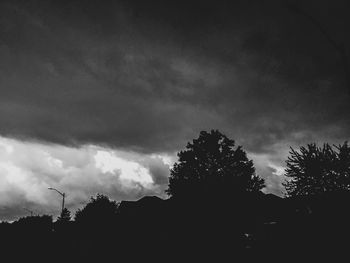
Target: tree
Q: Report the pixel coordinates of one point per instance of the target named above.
(316, 170)
(212, 163)
(100, 209)
(255, 184)
(65, 216)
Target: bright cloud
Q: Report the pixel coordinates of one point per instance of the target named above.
(27, 169)
(128, 170)
(271, 169)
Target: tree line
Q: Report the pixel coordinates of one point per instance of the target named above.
(215, 210)
(213, 158)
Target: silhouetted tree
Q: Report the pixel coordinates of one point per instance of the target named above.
(39, 226)
(28, 236)
(33, 222)
(99, 209)
(212, 163)
(96, 228)
(316, 170)
(65, 216)
(255, 184)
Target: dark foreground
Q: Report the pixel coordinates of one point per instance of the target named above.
(244, 228)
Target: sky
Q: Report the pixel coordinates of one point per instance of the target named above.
(99, 96)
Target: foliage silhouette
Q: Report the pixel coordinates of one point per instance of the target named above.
(210, 164)
(65, 216)
(98, 210)
(35, 224)
(63, 225)
(317, 170)
(197, 229)
(27, 235)
(193, 230)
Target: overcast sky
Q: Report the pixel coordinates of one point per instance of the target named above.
(98, 96)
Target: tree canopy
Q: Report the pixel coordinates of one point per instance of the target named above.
(212, 163)
(99, 209)
(316, 170)
(65, 216)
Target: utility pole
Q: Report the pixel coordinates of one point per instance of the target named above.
(63, 197)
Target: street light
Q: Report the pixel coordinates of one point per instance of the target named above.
(62, 194)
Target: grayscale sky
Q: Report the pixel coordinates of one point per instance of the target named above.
(98, 96)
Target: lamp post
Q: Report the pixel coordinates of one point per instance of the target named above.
(62, 194)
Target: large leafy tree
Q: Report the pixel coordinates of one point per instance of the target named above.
(100, 209)
(316, 170)
(212, 163)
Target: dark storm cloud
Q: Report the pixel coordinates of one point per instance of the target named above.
(147, 76)
(150, 75)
